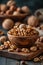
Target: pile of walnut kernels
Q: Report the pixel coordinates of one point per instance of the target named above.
(23, 30)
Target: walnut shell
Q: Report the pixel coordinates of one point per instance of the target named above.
(1, 32)
(39, 14)
(33, 21)
(10, 3)
(19, 9)
(3, 39)
(8, 12)
(25, 9)
(22, 26)
(16, 13)
(41, 27)
(3, 7)
(17, 23)
(7, 24)
(12, 8)
(1, 13)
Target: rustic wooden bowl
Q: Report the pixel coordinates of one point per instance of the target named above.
(21, 16)
(22, 41)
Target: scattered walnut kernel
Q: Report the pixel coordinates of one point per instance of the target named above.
(41, 57)
(13, 47)
(1, 47)
(41, 27)
(41, 39)
(8, 42)
(3, 39)
(10, 50)
(39, 42)
(18, 50)
(6, 45)
(23, 63)
(36, 59)
(34, 48)
(25, 50)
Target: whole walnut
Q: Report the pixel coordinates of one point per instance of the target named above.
(3, 7)
(41, 27)
(3, 39)
(10, 3)
(36, 59)
(25, 9)
(16, 13)
(8, 12)
(40, 39)
(1, 32)
(39, 42)
(1, 13)
(33, 21)
(19, 9)
(7, 24)
(17, 23)
(12, 8)
(22, 26)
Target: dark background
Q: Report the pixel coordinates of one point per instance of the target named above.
(32, 4)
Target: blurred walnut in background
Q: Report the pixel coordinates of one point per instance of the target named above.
(33, 21)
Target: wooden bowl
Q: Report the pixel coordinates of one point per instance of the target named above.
(22, 41)
(21, 16)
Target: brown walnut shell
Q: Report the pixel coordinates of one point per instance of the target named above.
(7, 24)
(39, 14)
(33, 21)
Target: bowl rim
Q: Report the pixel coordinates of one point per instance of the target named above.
(21, 36)
(13, 15)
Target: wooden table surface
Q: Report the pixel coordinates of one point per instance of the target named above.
(7, 61)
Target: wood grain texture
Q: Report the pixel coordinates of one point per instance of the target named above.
(12, 62)
(38, 63)
(41, 62)
(2, 61)
(20, 55)
(32, 63)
